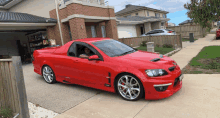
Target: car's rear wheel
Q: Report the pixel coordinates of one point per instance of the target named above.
(129, 87)
(48, 75)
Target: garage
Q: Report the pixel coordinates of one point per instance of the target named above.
(21, 34)
(125, 31)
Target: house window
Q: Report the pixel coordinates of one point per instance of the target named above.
(157, 14)
(162, 24)
(136, 14)
(164, 16)
(103, 31)
(147, 13)
(70, 33)
(99, 1)
(93, 31)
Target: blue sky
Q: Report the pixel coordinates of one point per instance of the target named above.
(177, 13)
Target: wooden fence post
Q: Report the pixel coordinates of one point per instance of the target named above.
(181, 44)
(22, 97)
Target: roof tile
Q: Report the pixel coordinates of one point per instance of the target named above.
(24, 18)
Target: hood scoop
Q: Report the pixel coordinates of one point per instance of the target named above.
(155, 60)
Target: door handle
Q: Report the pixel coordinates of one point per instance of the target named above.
(67, 77)
(76, 61)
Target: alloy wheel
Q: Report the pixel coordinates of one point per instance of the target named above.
(48, 74)
(129, 87)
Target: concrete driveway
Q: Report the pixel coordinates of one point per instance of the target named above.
(57, 97)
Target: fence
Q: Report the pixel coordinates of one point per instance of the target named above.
(12, 88)
(184, 30)
(158, 40)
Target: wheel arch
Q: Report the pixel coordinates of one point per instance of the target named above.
(123, 73)
(46, 63)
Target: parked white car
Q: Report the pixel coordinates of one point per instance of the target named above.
(158, 32)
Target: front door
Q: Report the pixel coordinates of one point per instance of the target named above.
(93, 31)
(103, 31)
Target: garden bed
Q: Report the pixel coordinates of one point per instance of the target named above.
(184, 40)
(206, 62)
(161, 50)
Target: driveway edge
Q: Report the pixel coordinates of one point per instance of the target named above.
(172, 52)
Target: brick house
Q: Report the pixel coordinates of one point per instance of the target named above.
(21, 21)
(137, 20)
(80, 20)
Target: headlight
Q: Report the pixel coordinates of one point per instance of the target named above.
(156, 72)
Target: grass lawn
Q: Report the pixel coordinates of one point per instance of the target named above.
(207, 61)
(161, 50)
(183, 40)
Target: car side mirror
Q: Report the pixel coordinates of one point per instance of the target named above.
(94, 57)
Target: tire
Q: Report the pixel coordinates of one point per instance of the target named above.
(130, 90)
(48, 74)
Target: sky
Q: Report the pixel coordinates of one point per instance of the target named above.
(177, 12)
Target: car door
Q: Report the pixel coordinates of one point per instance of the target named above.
(149, 33)
(154, 33)
(66, 65)
(93, 72)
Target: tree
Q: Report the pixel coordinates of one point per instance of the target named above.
(204, 12)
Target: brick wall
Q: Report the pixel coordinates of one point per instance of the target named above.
(89, 10)
(111, 29)
(78, 26)
(78, 29)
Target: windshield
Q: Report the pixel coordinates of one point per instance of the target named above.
(113, 48)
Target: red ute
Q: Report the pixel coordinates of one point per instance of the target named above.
(218, 33)
(110, 65)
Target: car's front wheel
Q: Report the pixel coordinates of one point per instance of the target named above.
(129, 87)
(48, 75)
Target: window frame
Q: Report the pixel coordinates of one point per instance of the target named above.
(75, 43)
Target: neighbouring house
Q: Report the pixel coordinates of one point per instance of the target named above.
(187, 22)
(134, 20)
(26, 25)
(190, 22)
(171, 24)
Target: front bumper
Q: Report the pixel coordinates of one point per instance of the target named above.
(172, 86)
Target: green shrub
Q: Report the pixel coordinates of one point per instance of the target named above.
(144, 43)
(167, 46)
(5, 112)
(157, 45)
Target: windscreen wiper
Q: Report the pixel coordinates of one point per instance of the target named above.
(127, 52)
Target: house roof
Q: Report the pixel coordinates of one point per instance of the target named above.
(135, 18)
(186, 21)
(131, 8)
(4, 2)
(24, 18)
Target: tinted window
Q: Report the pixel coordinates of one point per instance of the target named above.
(112, 47)
(72, 50)
(151, 32)
(168, 30)
(160, 31)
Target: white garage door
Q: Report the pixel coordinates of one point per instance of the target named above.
(126, 31)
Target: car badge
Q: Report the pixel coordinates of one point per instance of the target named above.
(161, 56)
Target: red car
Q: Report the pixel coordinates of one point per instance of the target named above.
(111, 66)
(218, 33)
